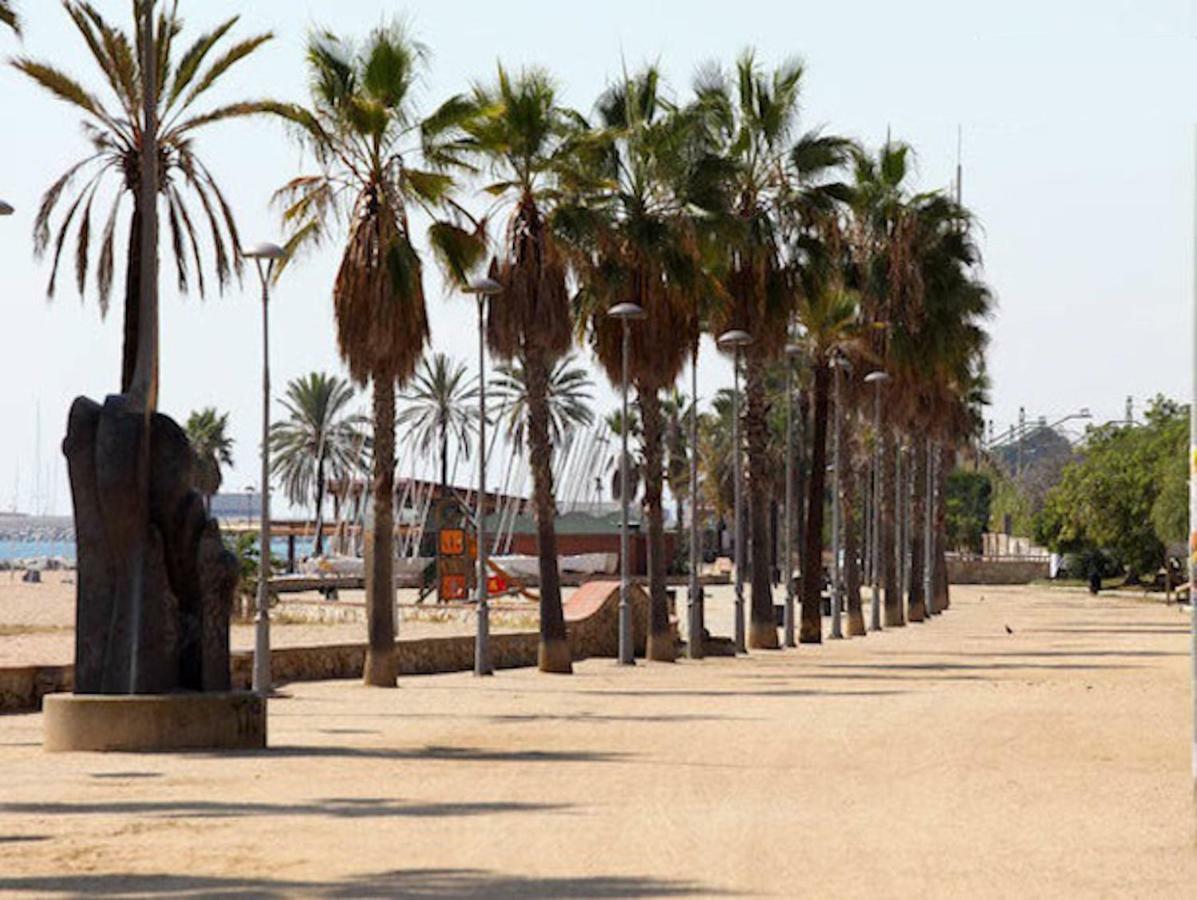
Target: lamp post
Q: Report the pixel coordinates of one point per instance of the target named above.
(877, 379)
(626, 313)
(264, 256)
(735, 341)
(793, 353)
(482, 289)
(695, 620)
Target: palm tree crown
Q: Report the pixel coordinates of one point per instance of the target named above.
(212, 448)
(440, 406)
(321, 438)
(114, 130)
(570, 398)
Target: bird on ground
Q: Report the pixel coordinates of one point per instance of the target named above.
(1009, 630)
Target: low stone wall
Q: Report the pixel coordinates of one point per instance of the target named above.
(591, 622)
(996, 571)
(22, 689)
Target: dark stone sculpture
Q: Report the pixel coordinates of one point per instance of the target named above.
(155, 585)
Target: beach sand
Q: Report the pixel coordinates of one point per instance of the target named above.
(948, 759)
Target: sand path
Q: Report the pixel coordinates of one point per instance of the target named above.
(947, 760)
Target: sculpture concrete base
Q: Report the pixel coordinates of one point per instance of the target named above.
(148, 722)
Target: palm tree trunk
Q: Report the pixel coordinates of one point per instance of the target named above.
(917, 603)
(318, 549)
(811, 631)
(381, 665)
(762, 631)
(554, 654)
(851, 522)
(132, 299)
(941, 599)
(660, 637)
(800, 474)
(893, 617)
(444, 461)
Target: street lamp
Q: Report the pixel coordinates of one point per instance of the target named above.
(482, 289)
(5, 209)
(735, 341)
(695, 618)
(838, 362)
(265, 256)
(877, 379)
(793, 354)
(626, 313)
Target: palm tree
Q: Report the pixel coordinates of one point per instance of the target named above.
(114, 130)
(363, 131)
(521, 134)
(8, 16)
(440, 405)
(749, 119)
(212, 448)
(677, 458)
(570, 397)
(321, 438)
(632, 240)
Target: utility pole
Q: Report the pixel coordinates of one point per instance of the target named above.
(1022, 427)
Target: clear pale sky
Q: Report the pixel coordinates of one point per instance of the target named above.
(1078, 123)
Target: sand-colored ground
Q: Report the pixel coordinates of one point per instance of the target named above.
(37, 621)
(949, 760)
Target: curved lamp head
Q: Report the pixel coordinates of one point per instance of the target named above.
(626, 311)
(269, 252)
(484, 287)
(731, 340)
(1084, 413)
(5, 209)
(878, 377)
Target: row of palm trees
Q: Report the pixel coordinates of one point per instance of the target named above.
(712, 213)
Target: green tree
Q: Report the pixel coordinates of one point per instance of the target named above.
(364, 132)
(211, 448)
(1111, 499)
(570, 397)
(968, 499)
(440, 405)
(321, 438)
(113, 128)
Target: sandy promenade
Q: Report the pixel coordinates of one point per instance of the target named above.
(946, 760)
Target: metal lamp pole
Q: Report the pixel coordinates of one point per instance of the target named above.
(265, 256)
(877, 379)
(695, 627)
(793, 353)
(735, 340)
(482, 289)
(626, 313)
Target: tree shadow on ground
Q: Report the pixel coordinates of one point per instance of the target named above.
(23, 838)
(431, 884)
(1121, 632)
(336, 808)
(979, 667)
(424, 754)
(797, 692)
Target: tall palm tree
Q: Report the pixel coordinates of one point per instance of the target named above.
(110, 173)
(749, 119)
(439, 406)
(632, 239)
(570, 400)
(520, 133)
(320, 439)
(9, 17)
(677, 458)
(884, 273)
(364, 132)
(211, 448)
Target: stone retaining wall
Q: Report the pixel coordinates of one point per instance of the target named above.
(591, 634)
(996, 571)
